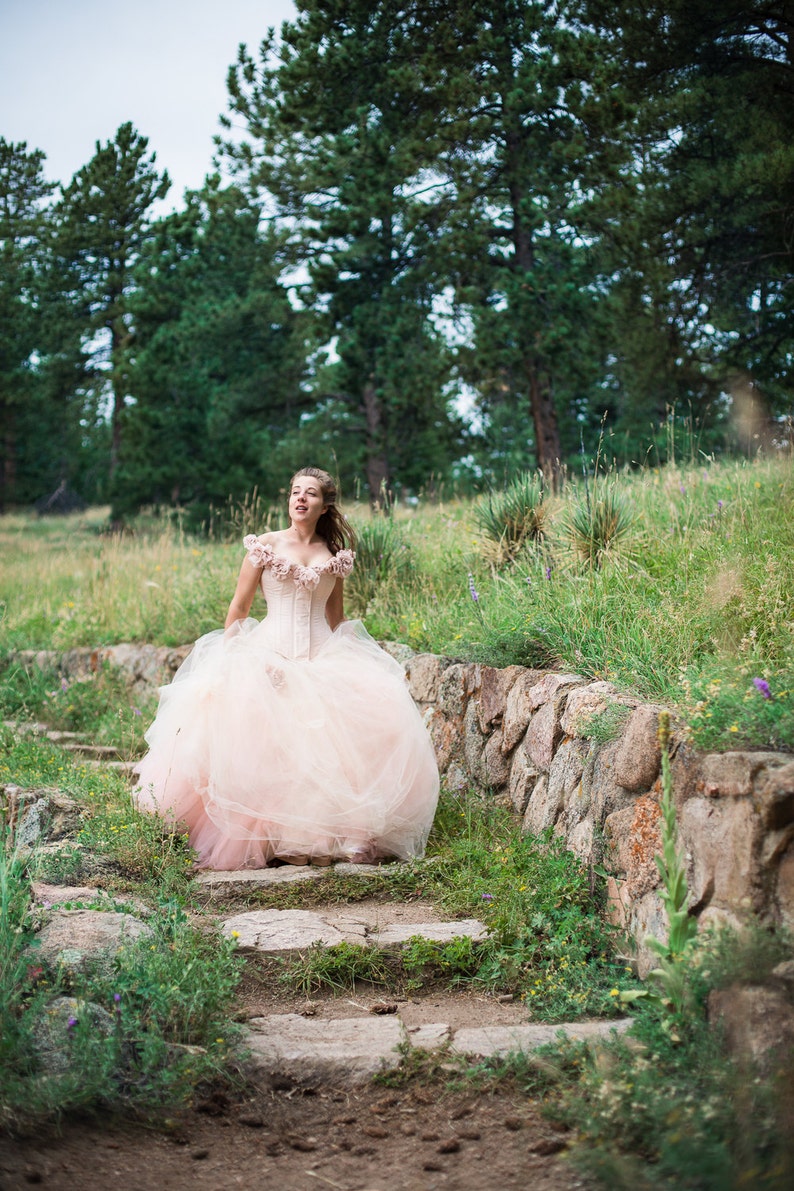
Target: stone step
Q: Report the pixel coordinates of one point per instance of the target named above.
(289, 932)
(246, 880)
(343, 1052)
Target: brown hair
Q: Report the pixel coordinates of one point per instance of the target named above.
(333, 526)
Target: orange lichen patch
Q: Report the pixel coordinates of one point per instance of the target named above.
(645, 841)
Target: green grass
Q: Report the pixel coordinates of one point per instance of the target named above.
(693, 595)
(145, 1028)
(549, 943)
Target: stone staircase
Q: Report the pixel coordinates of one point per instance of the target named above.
(319, 1041)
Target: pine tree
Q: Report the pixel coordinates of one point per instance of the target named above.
(341, 134)
(23, 224)
(102, 227)
(219, 365)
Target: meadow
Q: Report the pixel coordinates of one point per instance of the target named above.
(674, 584)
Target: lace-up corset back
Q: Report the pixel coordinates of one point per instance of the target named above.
(296, 596)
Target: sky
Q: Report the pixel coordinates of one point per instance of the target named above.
(72, 71)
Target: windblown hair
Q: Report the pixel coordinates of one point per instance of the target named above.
(333, 526)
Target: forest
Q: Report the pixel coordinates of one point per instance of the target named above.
(438, 242)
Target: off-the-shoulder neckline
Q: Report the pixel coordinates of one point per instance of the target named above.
(298, 565)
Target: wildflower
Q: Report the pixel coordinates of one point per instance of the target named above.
(487, 897)
(117, 997)
(474, 593)
(548, 572)
(64, 685)
(71, 1023)
(235, 934)
(136, 711)
(682, 490)
(762, 685)
(720, 504)
(614, 992)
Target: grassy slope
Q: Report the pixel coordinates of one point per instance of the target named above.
(692, 605)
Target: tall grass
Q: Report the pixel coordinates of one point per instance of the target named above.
(689, 604)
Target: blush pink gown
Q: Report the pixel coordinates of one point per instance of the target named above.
(280, 738)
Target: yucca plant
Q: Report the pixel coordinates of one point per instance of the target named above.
(382, 558)
(597, 523)
(512, 519)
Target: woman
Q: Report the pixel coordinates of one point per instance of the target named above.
(293, 738)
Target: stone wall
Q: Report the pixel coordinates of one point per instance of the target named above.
(536, 741)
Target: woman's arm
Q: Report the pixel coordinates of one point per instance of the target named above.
(335, 607)
(243, 598)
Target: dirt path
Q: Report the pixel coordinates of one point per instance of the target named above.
(374, 1139)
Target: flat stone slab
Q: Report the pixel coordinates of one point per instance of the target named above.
(398, 934)
(344, 1051)
(487, 1041)
(286, 932)
(284, 874)
(258, 878)
(283, 932)
(349, 1051)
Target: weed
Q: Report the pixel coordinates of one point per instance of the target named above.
(339, 967)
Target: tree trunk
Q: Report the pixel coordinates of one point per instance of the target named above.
(548, 447)
(377, 463)
(547, 430)
(8, 464)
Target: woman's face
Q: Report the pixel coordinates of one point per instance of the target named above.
(305, 501)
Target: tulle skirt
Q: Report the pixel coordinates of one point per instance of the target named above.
(263, 757)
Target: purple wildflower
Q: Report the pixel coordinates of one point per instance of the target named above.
(762, 685)
(474, 593)
(117, 997)
(682, 489)
(548, 572)
(136, 711)
(487, 897)
(64, 685)
(719, 504)
(71, 1023)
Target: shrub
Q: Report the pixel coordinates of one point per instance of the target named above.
(512, 519)
(597, 523)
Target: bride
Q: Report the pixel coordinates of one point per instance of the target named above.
(293, 738)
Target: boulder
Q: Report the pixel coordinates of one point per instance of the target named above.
(634, 835)
(638, 757)
(77, 938)
(523, 779)
(757, 1022)
(732, 775)
(543, 807)
(720, 838)
(519, 705)
(53, 1032)
(584, 703)
(425, 672)
(491, 700)
(543, 734)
